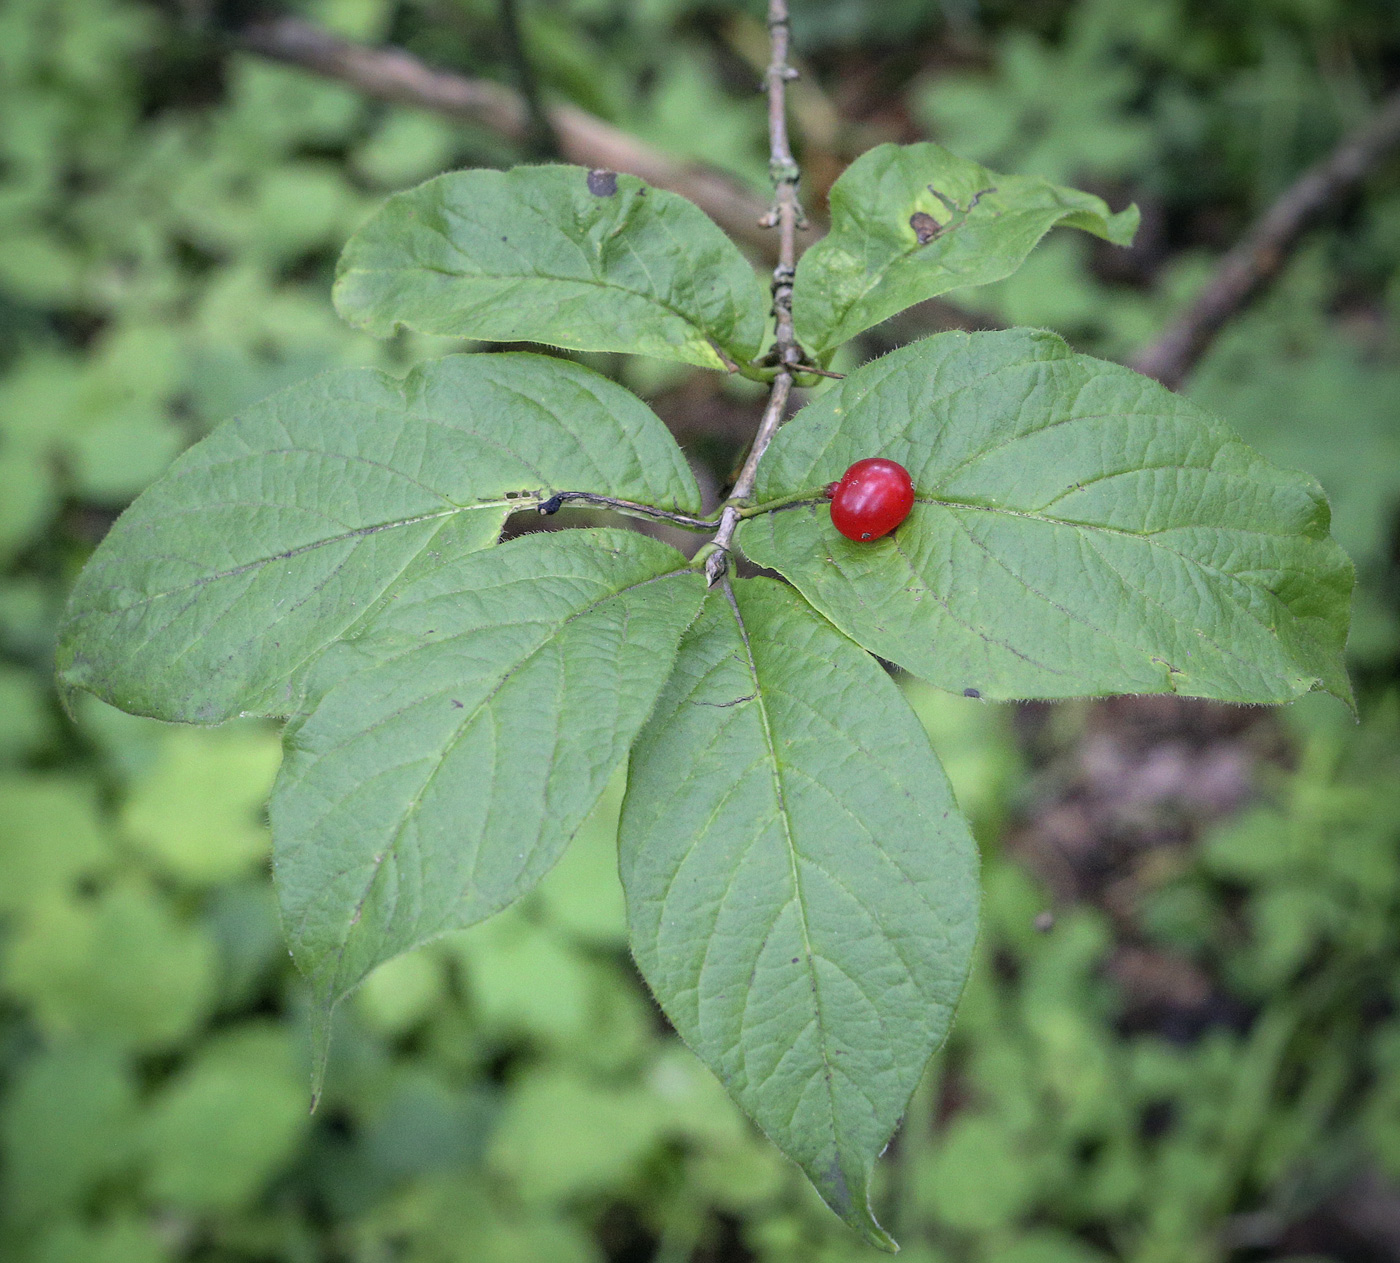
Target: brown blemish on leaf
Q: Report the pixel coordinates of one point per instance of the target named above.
(602, 183)
(924, 225)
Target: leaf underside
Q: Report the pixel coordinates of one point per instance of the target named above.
(535, 254)
(462, 736)
(273, 536)
(910, 222)
(801, 888)
(1079, 530)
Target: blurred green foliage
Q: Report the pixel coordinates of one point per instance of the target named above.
(168, 221)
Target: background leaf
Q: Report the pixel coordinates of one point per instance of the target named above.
(536, 255)
(1079, 529)
(485, 708)
(227, 1121)
(895, 242)
(270, 538)
(197, 813)
(123, 967)
(801, 888)
(66, 1125)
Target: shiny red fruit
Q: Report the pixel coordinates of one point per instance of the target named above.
(872, 498)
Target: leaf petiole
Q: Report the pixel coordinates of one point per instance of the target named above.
(808, 496)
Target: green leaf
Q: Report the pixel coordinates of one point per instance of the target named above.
(121, 968)
(51, 839)
(222, 1126)
(536, 255)
(526, 981)
(271, 538)
(1079, 530)
(198, 813)
(910, 222)
(478, 717)
(582, 896)
(66, 1125)
(563, 1137)
(801, 888)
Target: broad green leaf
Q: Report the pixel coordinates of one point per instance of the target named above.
(402, 992)
(1079, 530)
(801, 888)
(979, 1180)
(66, 1125)
(477, 719)
(526, 981)
(910, 222)
(221, 1127)
(125, 1236)
(582, 895)
(562, 1136)
(26, 722)
(268, 540)
(121, 968)
(198, 812)
(588, 260)
(51, 837)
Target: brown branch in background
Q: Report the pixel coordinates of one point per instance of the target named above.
(390, 74)
(542, 143)
(1262, 252)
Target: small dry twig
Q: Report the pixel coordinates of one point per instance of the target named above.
(391, 74)
(786, 216)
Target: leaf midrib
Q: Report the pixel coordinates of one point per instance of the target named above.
(358, 532)
(808, 955)
(705, 337)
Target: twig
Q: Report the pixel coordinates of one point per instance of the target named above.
(785, 215)
(390, 74)
(541, 139)
(1262, 252)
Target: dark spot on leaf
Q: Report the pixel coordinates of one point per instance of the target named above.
(924, 225)
(602, 183)
(795, 959)
(456, 705)
(551, 506)
(505, 238)
(972, 692)
(748, 697)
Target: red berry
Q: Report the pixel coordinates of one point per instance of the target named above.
(872, 498)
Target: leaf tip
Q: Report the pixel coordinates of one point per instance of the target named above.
(323, 1002)
(1122, 227)
(876, 1236)
(1341, 689)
